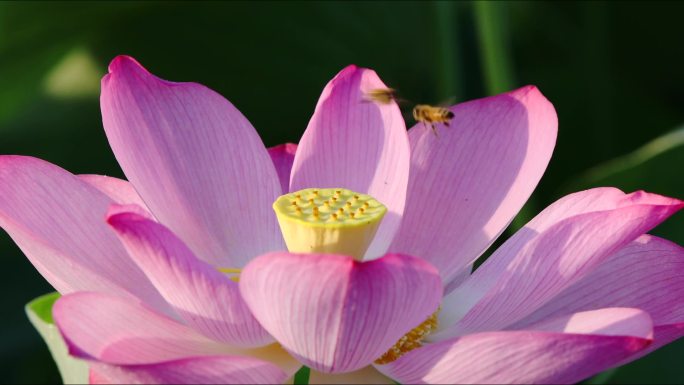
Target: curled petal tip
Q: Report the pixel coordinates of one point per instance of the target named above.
(116, 213)
(124, 62)
(645, 197)
(529, 88)
(289, 148)
(528, 92)
(350, 68)
(348, 72)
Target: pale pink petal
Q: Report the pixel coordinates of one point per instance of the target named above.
(336, 314)
(458, 279)
(195, 160)
(119, 190)
(542, 260)
(647, 274)
(513, 357)
(282, 157)
(357, 144)
(276, 355)
(597, 199)
(273, 354)
(564, 350)
(207, 300)
(96, 377)
(617, 321)
(58, 222)
(125, 332)
(469, 181)
(195, 370)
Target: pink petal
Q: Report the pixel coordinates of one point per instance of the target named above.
(57, 221)
(563, 350)
(126, 209)
(205, 299)
(458, 279)
(119, 190)
(195, 160)
(597, 199)
(336, 314)
(356, 144)
(124, 332)
(647, 274)
(519, 357)
(196, 370)
(607, 322)
(543, 259)
(282, 156)
(469, 182)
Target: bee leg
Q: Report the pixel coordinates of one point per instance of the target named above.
(446, 124)
(434, 129)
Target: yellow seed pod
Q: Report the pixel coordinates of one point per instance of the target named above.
(316, 226)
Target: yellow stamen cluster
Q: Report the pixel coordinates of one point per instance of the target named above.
(410, 341)
(328, 220)
(233, 274)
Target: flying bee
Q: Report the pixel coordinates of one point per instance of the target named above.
(382, 95)
(431, 115)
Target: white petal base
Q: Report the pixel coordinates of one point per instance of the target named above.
(72, 370)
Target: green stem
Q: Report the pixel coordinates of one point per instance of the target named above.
(302, 376)
(449, 69)
(494, 55)
(601, 378)
(497, 67)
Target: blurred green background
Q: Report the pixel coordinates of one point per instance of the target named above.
(612, 69)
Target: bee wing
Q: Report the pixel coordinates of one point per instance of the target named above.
(448, 102)
(402, 101)
(377, 96)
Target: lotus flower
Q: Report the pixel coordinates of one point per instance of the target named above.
(182, 275)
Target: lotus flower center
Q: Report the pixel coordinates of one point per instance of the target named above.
(410, 341)
(328, 220)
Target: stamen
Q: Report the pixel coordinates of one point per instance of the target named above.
(412, 340)
(234, 274)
